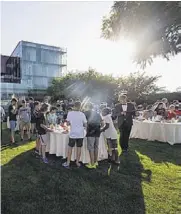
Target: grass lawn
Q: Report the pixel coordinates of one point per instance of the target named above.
(147, 181)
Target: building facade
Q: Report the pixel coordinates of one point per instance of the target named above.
(39, 64)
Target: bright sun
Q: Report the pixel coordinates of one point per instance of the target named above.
(106, 56)
(114, 56)
(125, 48)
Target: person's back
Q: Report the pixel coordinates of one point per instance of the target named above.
(77, 120)
(93, 133)
(111, 131)
(93, 123)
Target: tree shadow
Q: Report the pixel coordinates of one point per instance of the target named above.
(5, 140)
(5, 136)
(123, 183)
(158, 152)
(11, 146)
(28, 186)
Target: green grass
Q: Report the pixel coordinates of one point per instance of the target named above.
(147, 181)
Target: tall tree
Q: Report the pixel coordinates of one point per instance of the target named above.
(91, 84)
(138, 85)
(154, 26)
(99, 87)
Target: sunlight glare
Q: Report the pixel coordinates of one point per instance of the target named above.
(125, 49)
(116, 56)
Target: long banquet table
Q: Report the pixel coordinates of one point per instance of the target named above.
(163, 132)
(58, 145)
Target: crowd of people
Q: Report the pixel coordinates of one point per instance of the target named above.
(40, 118)
(160, 111)
(80, 120)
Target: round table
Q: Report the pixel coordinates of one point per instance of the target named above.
(58, 145)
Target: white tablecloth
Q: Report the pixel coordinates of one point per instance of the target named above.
(58, 144)
(163, 132)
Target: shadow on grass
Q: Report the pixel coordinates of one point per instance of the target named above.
(11, 146)
(5, 136)
(28, 186)
(158, 152)
(5, 140)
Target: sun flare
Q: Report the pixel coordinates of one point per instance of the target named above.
(115, 56)
(108, 57)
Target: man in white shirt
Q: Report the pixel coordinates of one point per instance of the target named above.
(77, 121)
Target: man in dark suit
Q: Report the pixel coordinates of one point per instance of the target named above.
(124, 112)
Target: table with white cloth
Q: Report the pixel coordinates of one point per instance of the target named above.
(58, 145)
(160, 131)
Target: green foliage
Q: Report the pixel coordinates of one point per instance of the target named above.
(99, 87)
(154, 26)
(88, 84)
(139, 85)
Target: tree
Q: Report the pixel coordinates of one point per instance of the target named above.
(138, 85)
(154, 26)
(103, 88)
(90, 84)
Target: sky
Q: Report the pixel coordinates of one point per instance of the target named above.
(77, 27)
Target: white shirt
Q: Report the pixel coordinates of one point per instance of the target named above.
(124, 107)
(77, 120)
(111, 132)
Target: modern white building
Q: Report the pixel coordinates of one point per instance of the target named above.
(39, 64)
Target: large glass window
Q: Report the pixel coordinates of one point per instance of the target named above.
(40, 82)
(51, 57)
(53, 70)
(29, 54)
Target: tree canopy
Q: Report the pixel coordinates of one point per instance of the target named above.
(88, 84)
(154, 26)
(103, 88)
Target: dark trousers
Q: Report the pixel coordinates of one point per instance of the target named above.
(125, 131)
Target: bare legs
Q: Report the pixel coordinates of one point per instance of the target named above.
(92, 146)
(22, 131)
(112, 150)
(91, 153)
(115, 157)
(27, 128)
(69, 155)
(12, 136)
(43, 151)
(37, 144)
(28, 131)
(93, 156)
(78, 154)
